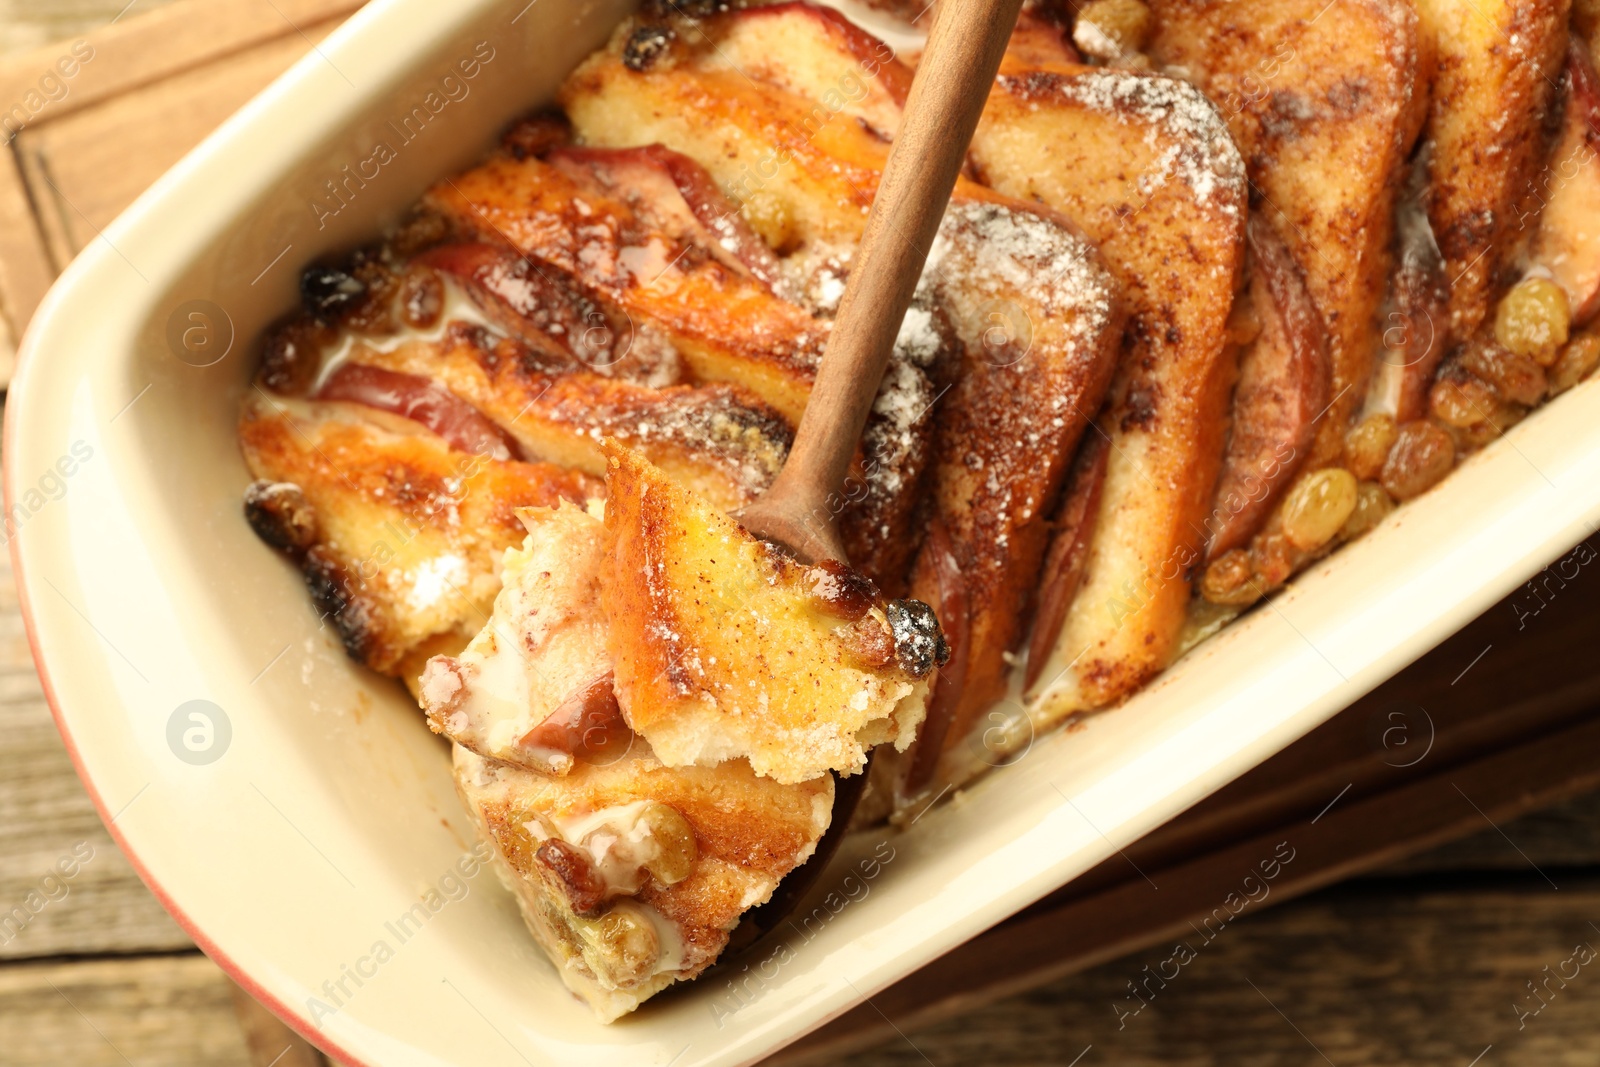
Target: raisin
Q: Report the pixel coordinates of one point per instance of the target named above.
(280, 515)
(1422, 455)
(1318, 506)
(919, 644)
(626, 945)
(421, 298)
(1273, 558)
(675, 847)
(1575, 363)
(1531, 320)
(293, 355)
(646, 45)
(1228, 580)
(1515, 377)
(1367, 444)
(1462, 401)
(1372, 504)
(328, 292)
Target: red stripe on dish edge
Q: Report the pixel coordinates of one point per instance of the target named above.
(302, 1026)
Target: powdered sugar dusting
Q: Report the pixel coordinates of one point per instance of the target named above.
(1182, 126)
(1003, 252)
(895, 436)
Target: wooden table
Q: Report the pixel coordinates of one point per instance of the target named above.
(1427, 961)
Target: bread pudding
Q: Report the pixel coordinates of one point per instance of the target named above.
(1223, 284)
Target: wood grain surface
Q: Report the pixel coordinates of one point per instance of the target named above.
(117, 94)
(1427, 960)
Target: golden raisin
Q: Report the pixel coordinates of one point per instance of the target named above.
(1532, 319)
(1317, 506)
(1462, 401)
(1108, 28)
(1273, 559)
(1422, 454)
(1367, 444)
(1575, 363)
(621, 946)
(675, 849)
(1229, 580)
(1372, 504)
(1503, 418)
(1514, 377)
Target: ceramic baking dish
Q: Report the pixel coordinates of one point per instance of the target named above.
(300, 822)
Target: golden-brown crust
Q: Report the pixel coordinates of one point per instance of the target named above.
(803, 173)
(797, 176)
(727, 327)
(831, 166)
(1498, 65)
(718, 439)
(1143, 164)
(748, 833)
(1039, 355)
(852, 74)
(405, 536)
(725, 648)
(1325, 102)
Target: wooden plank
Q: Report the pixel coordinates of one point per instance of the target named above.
(84, 168)
(1363, 977)
(141, 92)
(30, 24)
(25, 268)
(113, 1013)
(151, 44)
(1563, 837)
(269, 1041)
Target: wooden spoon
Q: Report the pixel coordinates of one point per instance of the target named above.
(947, 95)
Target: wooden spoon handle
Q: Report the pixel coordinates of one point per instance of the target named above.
(947, 95)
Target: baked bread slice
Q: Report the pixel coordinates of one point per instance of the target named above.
(566, 221)
(1498, 67)
(718, 438)
(631, 875)
(724, 647)
(1144, 165)
(1042, 318)
(1325, 102)
(1030, 301)
(398, 535)
(798, 171)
